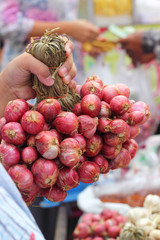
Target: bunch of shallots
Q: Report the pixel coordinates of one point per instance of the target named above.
(106, 225)
(47, 151)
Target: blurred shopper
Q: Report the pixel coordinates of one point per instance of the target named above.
(22, 19)
(142, 47)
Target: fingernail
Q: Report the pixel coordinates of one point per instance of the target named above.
(68, 50)
(67, 79)
(49, 81)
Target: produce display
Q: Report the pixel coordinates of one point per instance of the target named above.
(71, 135)
(143, 223)
(106, 225)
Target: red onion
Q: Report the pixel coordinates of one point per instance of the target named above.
(70, 152)
(93, 145)
(55, 194)
(67, 179)
(78, 88)
(28, 199)
(111, 152)
(15, 110)
(21, 176)
(2, 122)
(77, 109)
(46, 127)
(91, 87)
(103, 124)
(109, 92)
(90, 105)
(9, 155)
(109, 222)
(105, 110)
(49, 108)
(47, 144)
(99, 229)
(66, 123)
(13, 133)
(118, 126)
(82, 230)
(81, 141)
(45, 172)
(31, 140)
(111, 139)
(83, 158)
(119, 104)
(57, 135)
(87, 125)
(32, 122)
(122, 160)
(141, 107)
(29, 155)
(87, 218)
(106, 214)
(114, 231)
(123, 89)
(88, 172)
(96, 79)
(102, 163)
(58, 163)
(132, 146)
(134, 131)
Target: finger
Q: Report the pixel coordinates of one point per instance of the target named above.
(38, 68)
(67, 79)
(69, 47)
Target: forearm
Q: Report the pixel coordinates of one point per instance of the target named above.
(39, 28)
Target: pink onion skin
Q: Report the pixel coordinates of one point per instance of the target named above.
(82, 230)
(91, 87)
(87, 125)
(102, 163)
(96, 79)
(66, 123)
(13, 133)
(83, 159)
(134, 131)
(106, 214)
(93, 145)
(111, 139)
(49, 108)
(119, 104)
(9, 155)
(88, 172)
(15, 110)
(58, 135)
(47, 144)
(29, 155)
(55, 194)
(141, 107)
(135, 118)
(87, 218)
(100, 238)
(91, 105)
(81, 141)
(67, 179)
(77, 109)
(2, 122)
(31, 140)
(109, 92)
(21, 176)
(29, 200)
(122, 160)
(114, 231)
(123, 89)
(45, 172)
(78, 88)
(104, 125)
(58, 163)
(32, 122)
(132, 146)
(99, 229)
(46, 127)
(118, 126)
(111, 152)
(105, 110)
(70, 152)
(33, 190)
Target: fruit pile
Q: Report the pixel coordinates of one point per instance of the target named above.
(48, 151)
(106, 225)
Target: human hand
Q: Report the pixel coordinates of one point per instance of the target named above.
(83, 31)
(133, 46)
(15, 79)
